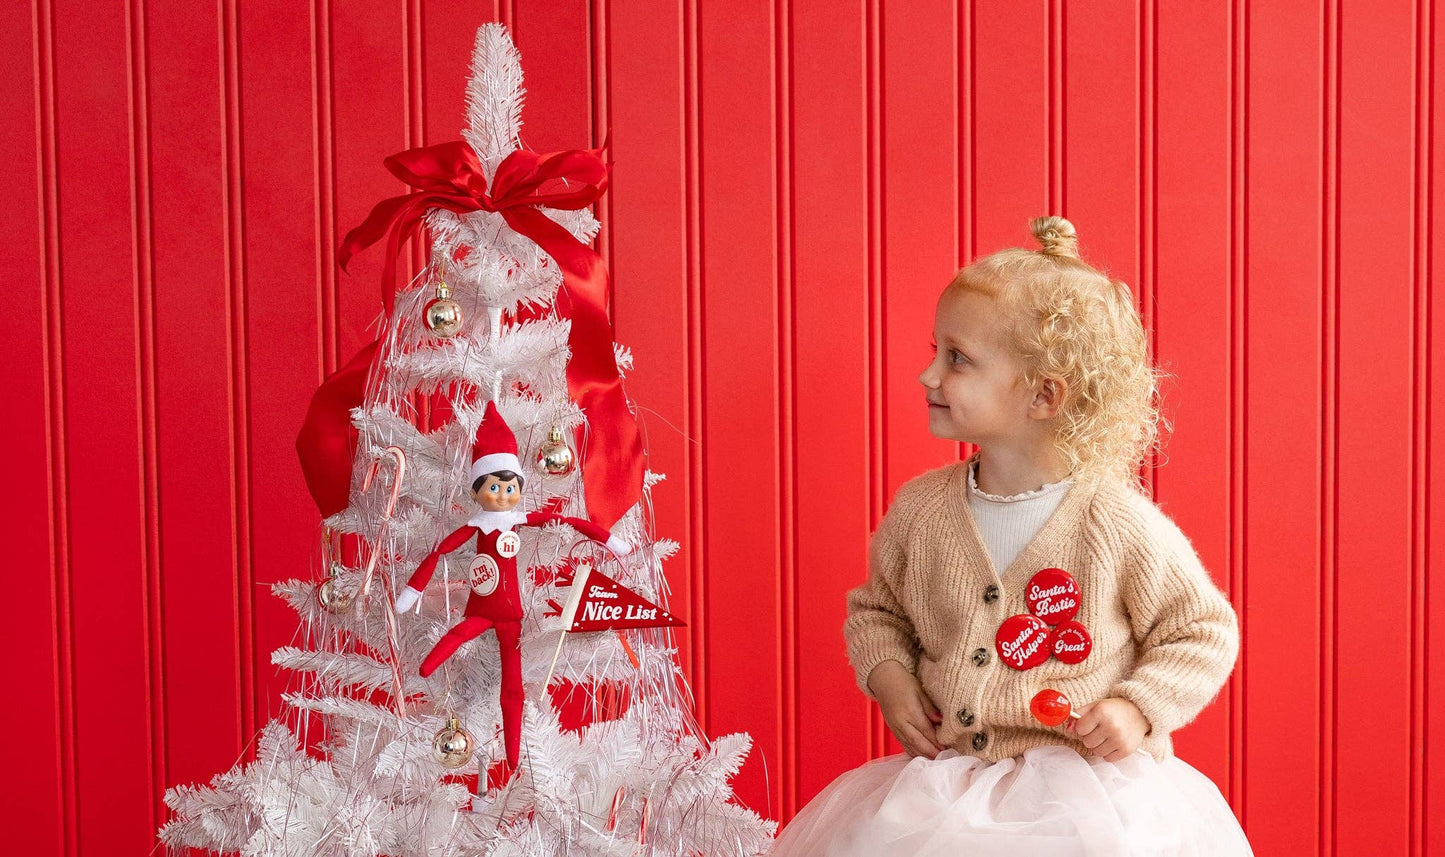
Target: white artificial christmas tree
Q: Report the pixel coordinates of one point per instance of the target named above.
(640, 778)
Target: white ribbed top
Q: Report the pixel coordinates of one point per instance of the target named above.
(1008, 524)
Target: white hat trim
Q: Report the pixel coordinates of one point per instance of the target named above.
(495, 461)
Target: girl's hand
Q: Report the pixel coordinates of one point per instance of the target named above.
(907, 708)
(1112, 728)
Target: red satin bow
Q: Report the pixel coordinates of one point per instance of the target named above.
(449, 176)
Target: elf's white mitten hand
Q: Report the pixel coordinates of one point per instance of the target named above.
(407, 599)
(618, 545)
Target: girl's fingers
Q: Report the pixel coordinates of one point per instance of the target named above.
(927, 730)
(922, 746)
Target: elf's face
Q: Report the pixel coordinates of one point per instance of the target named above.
(495, 495)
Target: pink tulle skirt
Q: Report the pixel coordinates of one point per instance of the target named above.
(1050, 802)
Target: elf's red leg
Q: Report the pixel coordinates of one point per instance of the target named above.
(465, 630)
(509, 636)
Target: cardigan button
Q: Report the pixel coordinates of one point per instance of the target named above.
(980, 741)
(990, 595)
(980, 657)
(965, 717)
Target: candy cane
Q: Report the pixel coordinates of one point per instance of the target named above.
(371, 470)
(398, 694)
(642, 826)
(617, 798)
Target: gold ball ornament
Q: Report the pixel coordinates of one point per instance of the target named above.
(443, 316)
(555, 456)
(333, 595)
(453, 746)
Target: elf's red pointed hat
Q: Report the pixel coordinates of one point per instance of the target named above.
(495, 447)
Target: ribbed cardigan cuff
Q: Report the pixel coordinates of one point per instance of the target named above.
(867, 650)
(1173, 683)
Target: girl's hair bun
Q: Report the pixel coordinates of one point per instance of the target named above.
(1056, 236)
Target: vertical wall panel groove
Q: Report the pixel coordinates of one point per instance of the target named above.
(1238, 419)
(235, 267)
(328, 303)
(963, 84)
(1419, 424)
(1055, 181)
(1148, 229)
(1434, 711)
(57, 473)
(787, 437)
(1426, 491)
(696, 365)
(877, 364)
(144, 285)
(599, 45)
(1329, 434)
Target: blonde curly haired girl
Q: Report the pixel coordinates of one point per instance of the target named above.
(1033, 627)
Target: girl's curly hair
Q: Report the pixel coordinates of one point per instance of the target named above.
(1069, 321)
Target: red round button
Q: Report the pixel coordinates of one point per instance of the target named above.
(1022, 641)
(1053, 595)
(1071, 642)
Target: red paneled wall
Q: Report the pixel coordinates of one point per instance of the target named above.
(795, 180)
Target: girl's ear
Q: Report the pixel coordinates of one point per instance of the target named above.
(1049, 398)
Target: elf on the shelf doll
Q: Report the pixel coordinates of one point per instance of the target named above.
(495, 600)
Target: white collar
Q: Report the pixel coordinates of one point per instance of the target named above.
(1047, 488)
(490, 521)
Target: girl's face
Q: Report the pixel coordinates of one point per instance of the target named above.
(974, 385)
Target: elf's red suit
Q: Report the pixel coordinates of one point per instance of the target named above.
(495, 599)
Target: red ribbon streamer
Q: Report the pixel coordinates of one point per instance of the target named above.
(449, 176)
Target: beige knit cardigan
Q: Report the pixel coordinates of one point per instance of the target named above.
(1164, 636)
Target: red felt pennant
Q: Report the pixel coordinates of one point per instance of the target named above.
(604, 604)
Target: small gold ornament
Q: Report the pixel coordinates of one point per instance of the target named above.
(443, 316)
(453, 746)
(332, 594)
(555, 456)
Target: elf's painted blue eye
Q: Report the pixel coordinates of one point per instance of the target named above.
(495, 488)
(511, 489)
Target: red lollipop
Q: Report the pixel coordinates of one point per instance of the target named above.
(1022, 641)
(1053, 595)
(1071, 642)
(1050, 707)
